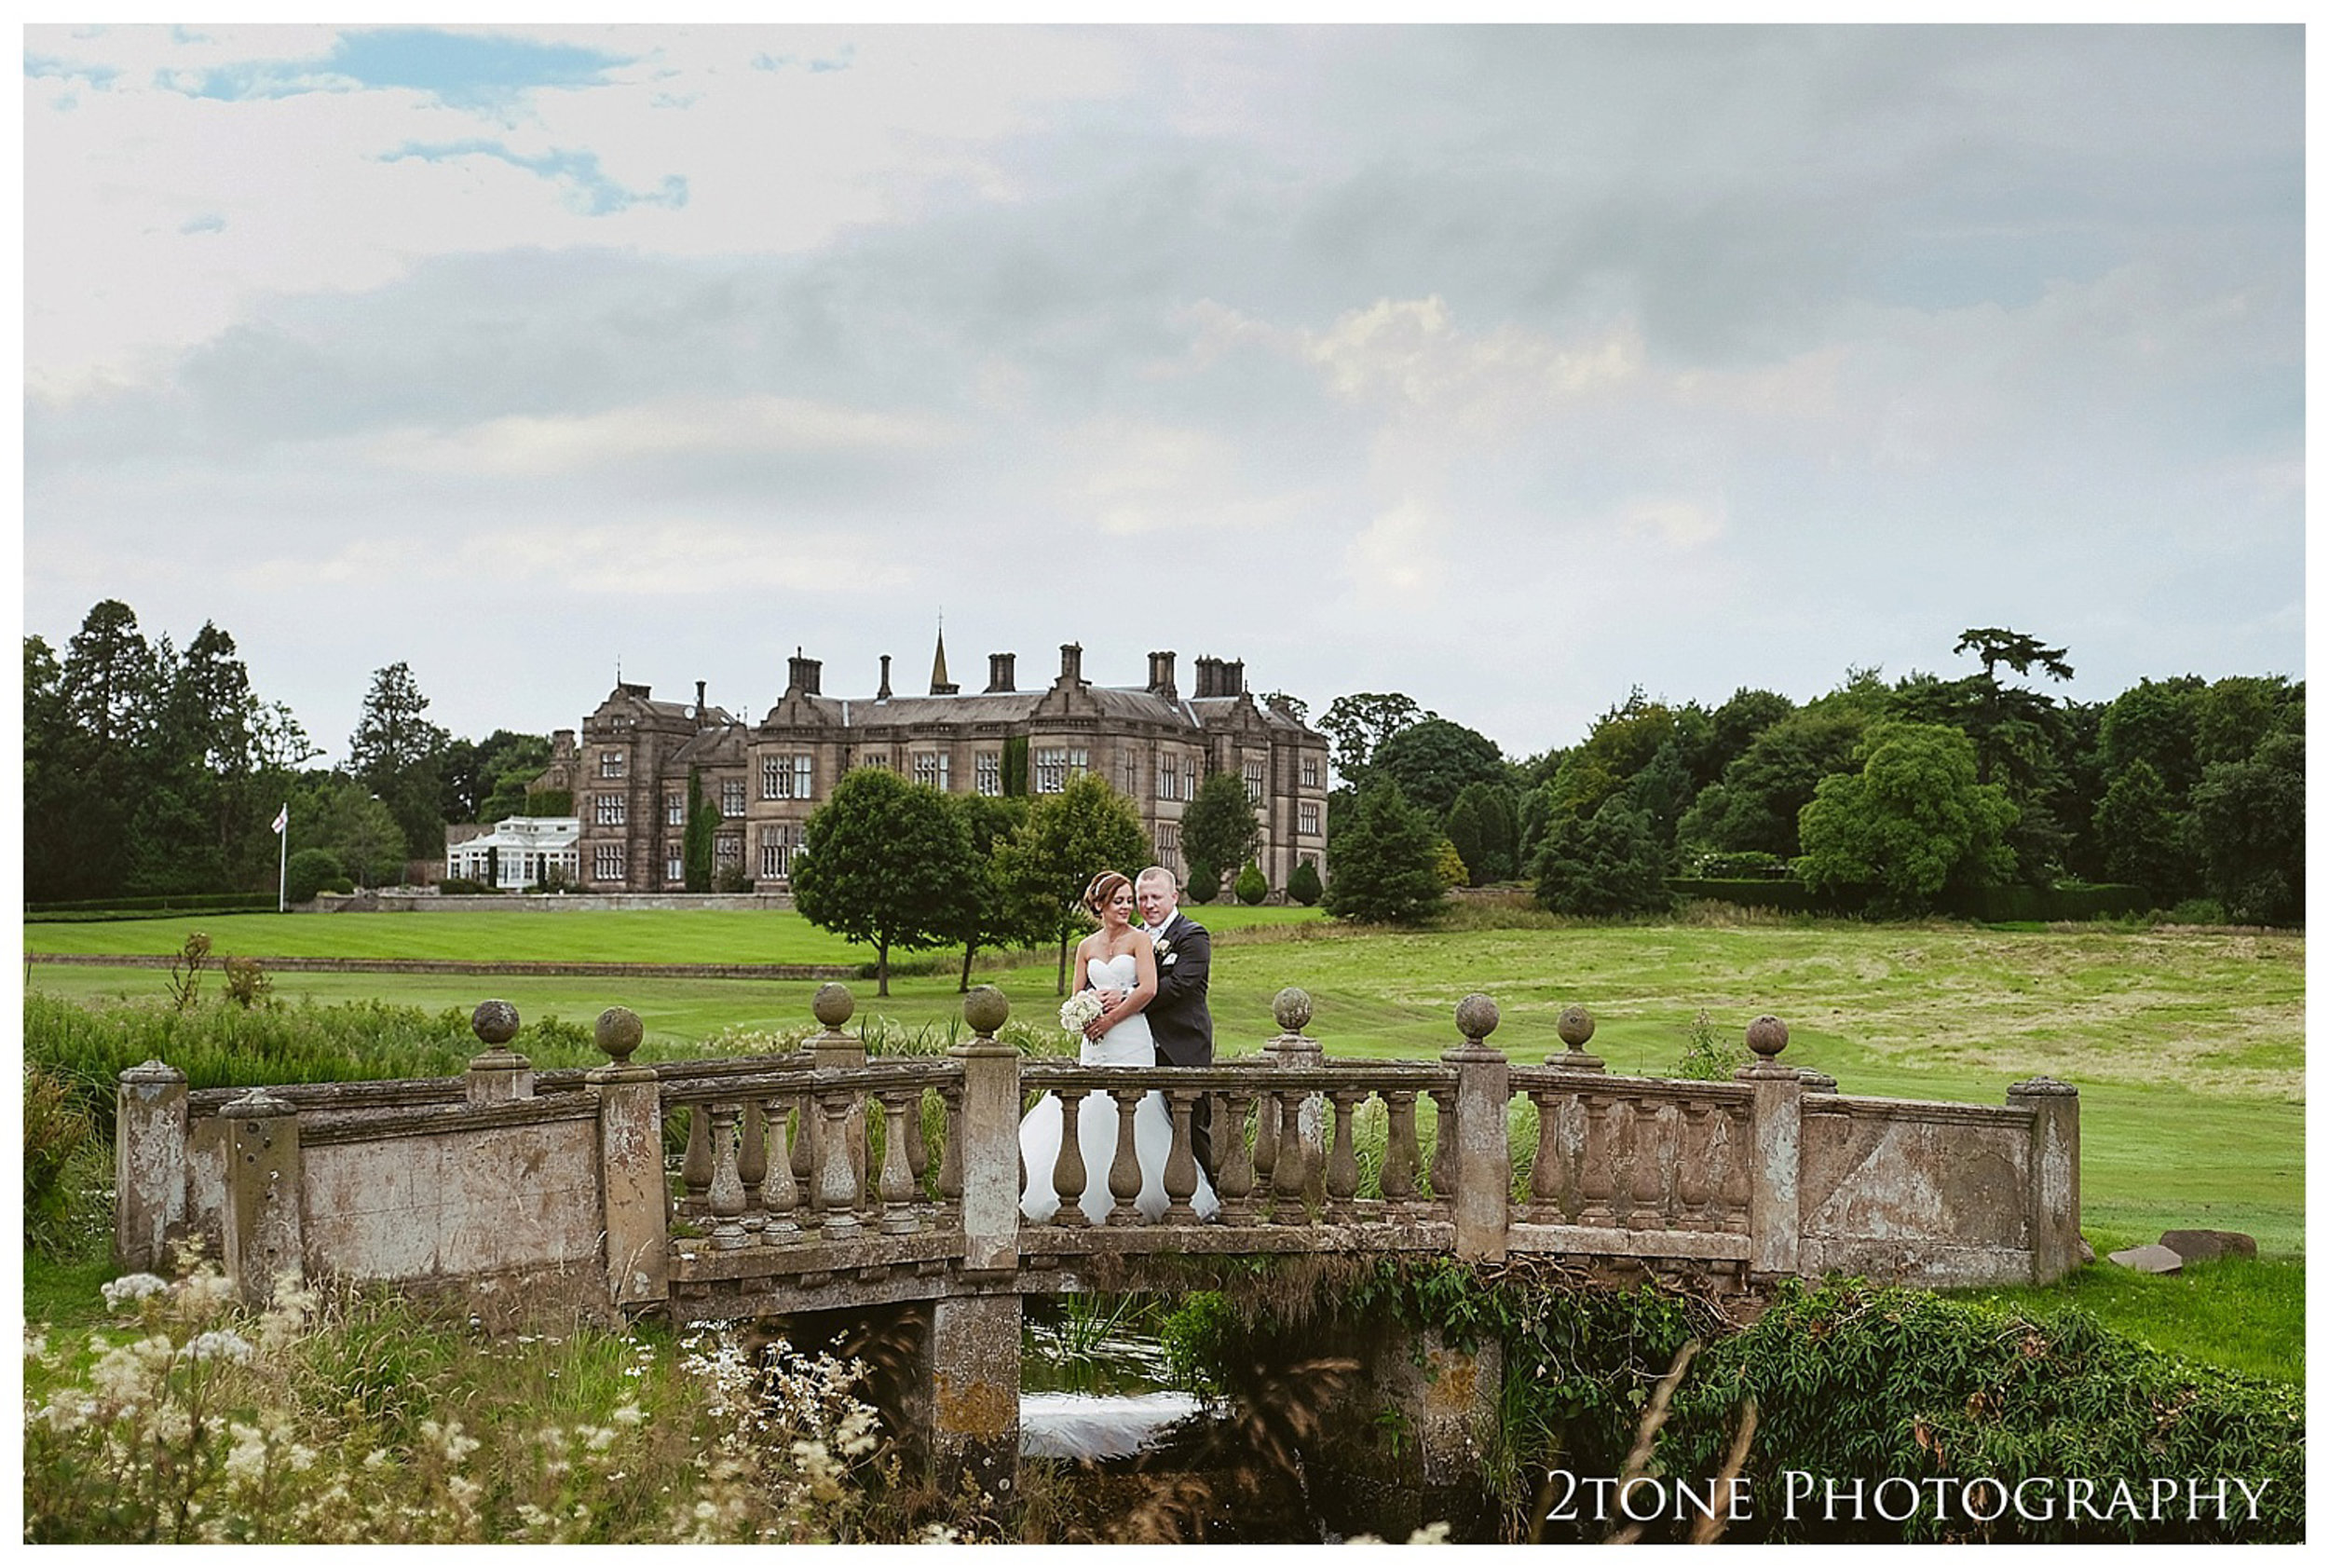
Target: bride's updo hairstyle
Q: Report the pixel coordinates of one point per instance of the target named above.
(1103, 890)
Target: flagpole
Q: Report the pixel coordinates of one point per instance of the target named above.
(282, 859)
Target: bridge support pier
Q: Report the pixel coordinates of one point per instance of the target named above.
(972, 1359)
(1414, 1432)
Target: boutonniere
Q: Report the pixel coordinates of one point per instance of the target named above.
(1164, 947)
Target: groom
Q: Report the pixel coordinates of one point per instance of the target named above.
(1177, 1018)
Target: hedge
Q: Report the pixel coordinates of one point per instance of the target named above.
(2084, 902)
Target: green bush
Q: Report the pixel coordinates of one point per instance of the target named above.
(1252, 886)
(462, 887)
(1203, 882)
(1304, 886)
(309, 872)
(57, 1131)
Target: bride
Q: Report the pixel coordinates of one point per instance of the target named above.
(1118, 957)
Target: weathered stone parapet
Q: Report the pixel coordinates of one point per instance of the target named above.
(498, 1073)
(989, 1137)
(2053, 1174)
(149, 1163)
(631, 1166)
(1482, 1164)
(263, 1239)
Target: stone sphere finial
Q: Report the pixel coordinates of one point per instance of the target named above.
(1478, 1018)
(833, 1004)
(1766, 1037)
(495, 1022)
(1292, 1008)
(985, 1009)
(1575, 1027)
(620, 1032)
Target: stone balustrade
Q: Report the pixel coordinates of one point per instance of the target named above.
(822, 1177)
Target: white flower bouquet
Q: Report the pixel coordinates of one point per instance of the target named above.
(1080, 1010)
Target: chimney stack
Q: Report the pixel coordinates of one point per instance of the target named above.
(999, 675)
(1233, 677)
(700, 716)
(806, 675)
(1161, 675)
(1071, 663)
(883, 695)
(1208, 676)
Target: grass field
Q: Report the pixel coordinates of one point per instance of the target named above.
(2187, 1047)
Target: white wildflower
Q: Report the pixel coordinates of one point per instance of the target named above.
(131, 1288)
(246, 1462)
(629, 1415)
(219, 1343)
(207, 1291)
(1433, 1534)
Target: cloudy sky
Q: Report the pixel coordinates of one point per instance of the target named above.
(1505, 368)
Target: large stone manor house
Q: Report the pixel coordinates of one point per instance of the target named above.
(1153, 743)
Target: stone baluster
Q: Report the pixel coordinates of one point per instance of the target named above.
(1547, 1175)
(631, 1180)
(1180, 1164)
(1693, 1167)
(1736, 1132)
(1123, 1170)
(1401, 1158)
(1443, 1142)
(695, 1166)
(1483, 1152)
(917, 1144)
(779, 1195)
(1624, 1149)
(727, 1187)
(838, 1181)
(1068, 1175)
(898, 1187)
(1266, 1135)
(1234, 1181)
(950, 1158)
(1774, 1158)
(752, 1166)
(1595, 1184)
(1343, 1159)
(1652, 1167)
(1290, 1174)
(988, 1137)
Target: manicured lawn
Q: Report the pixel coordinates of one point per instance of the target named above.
(2187, 1048)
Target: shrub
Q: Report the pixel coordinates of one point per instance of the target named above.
(1203, 882)
(1704, 1055)
(1385, 868)
(1448, 865)
(731, 878)
(248, 983)
(462, 887)
(309, 872)
(1252, 886)
(1740, 865)
(1304, 886)
(57, 1130)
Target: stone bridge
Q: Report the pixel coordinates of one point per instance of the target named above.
(824, 1181)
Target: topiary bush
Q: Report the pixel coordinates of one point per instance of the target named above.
(309, 872)
(1252, 886)
(1304, 886)
(1203, 882)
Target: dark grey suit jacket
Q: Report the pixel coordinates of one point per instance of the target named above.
(1178, 1017)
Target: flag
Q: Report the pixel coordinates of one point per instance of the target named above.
(282, 818)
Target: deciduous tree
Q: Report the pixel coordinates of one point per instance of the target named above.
(1433, 758)
(1070, 838)
(1219, 827)
(884, 862)
(1913, 821)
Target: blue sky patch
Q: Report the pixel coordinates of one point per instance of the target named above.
(209, 222)
(40, 67)
(463, 70)
(588, 187)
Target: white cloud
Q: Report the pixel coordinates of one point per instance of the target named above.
(529, 446)
(1394, 563)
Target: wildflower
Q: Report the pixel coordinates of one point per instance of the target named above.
(1433, 1534)
(131, 1288)
(629, 1415)
(206, 1291)
(172, 1426)
(246, 1462)
(221, 1344)
(36, 1345)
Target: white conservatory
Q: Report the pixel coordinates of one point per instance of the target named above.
(518, 850)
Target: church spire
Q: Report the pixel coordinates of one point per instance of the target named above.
(939, 685)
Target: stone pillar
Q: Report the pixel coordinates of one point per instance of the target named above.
(1483, 1151)
(263, 1239)
(2053, 1175)
(498, 1074)
(1774, 1157)
(989, 1138)
(974, 1394)
(630, 1166)
(1292, 1048)
(1445, 1399)
(149, 1163)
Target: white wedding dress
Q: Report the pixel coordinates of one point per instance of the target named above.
(1129, 1045)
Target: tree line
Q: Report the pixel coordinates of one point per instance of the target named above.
(149, 768)
(1898, 794)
